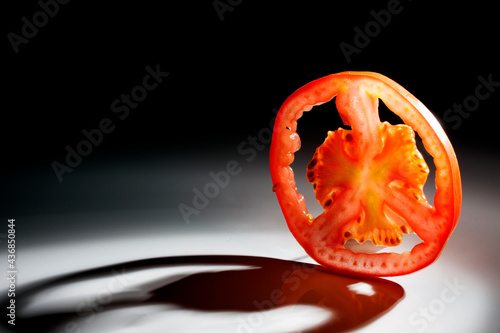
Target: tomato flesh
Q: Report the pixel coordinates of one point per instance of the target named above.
(369, 178)
(336, 170)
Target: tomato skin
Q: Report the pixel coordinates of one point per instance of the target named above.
(357, 95)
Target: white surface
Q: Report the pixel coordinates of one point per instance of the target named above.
(458, 293)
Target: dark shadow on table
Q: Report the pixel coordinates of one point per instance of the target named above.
(252, 290)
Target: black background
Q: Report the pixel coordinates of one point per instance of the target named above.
(226, 75)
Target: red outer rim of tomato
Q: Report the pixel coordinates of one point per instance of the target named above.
(434, 225)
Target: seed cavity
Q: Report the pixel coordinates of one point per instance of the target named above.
(310, 176)
(312, 164)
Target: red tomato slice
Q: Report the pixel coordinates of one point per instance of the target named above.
(369, 178)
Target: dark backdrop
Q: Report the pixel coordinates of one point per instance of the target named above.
(229, 64)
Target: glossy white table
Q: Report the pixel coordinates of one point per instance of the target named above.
(108, 250)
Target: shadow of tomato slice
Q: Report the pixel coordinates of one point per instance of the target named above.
(200, 293)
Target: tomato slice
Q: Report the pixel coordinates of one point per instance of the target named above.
(369, 178)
